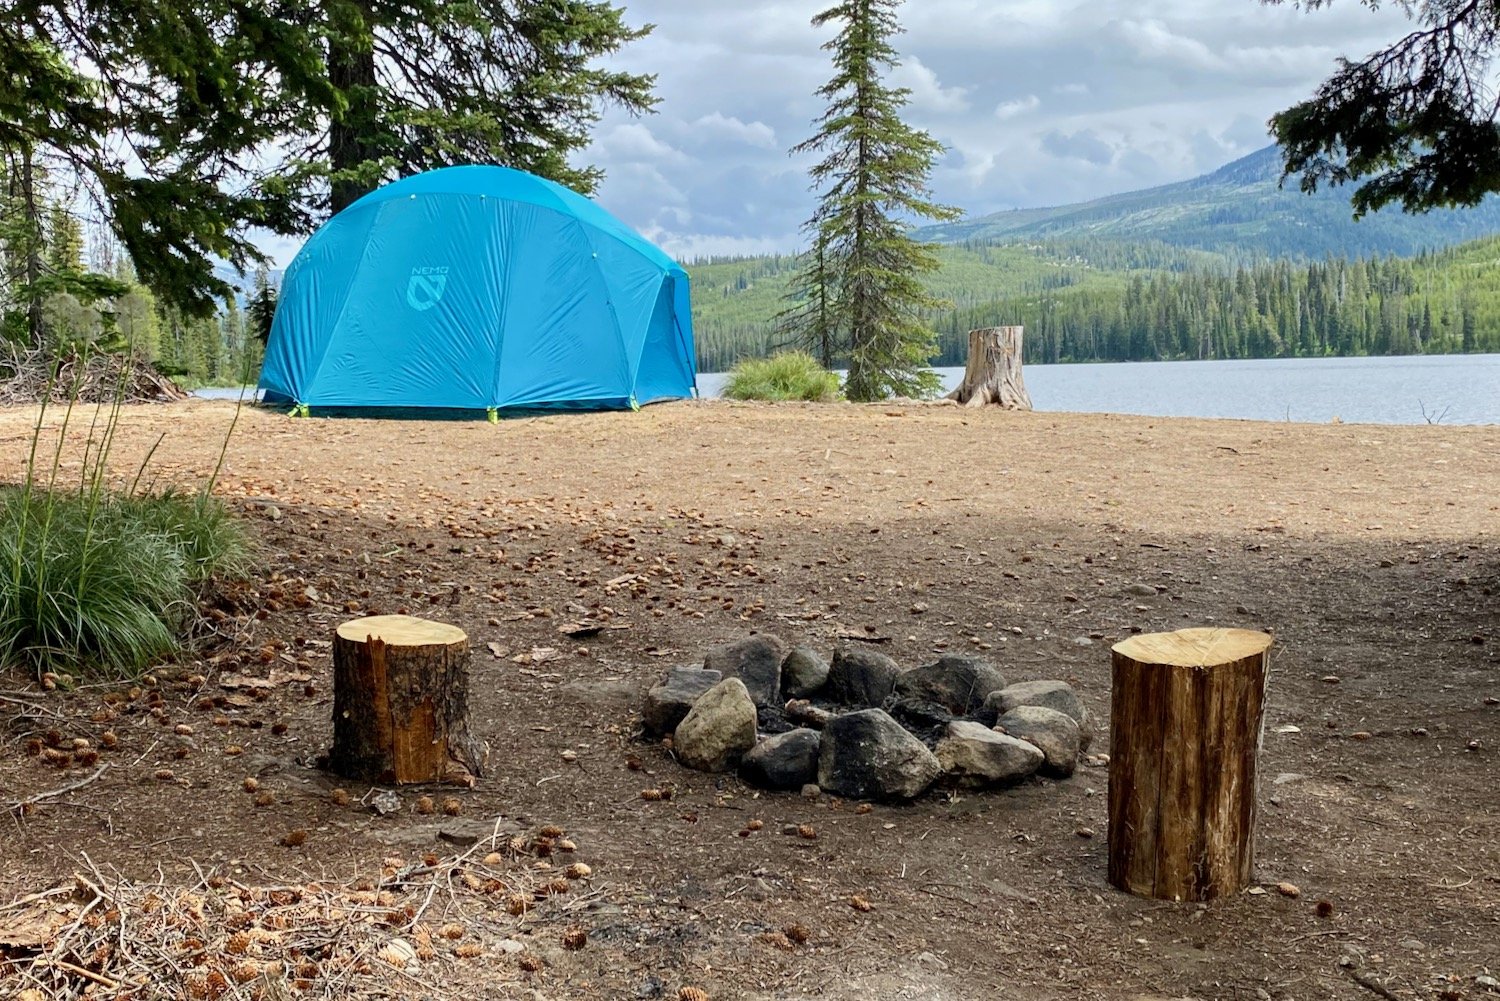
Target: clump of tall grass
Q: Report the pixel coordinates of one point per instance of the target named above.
(98, 579)
(789, 375)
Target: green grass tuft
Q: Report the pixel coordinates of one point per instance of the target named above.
(790, 375)
(105, 583)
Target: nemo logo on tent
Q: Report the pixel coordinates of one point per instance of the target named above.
(425, 288)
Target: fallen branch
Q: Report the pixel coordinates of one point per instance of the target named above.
(19, 806)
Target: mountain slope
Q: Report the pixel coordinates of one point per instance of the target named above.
(1238, 209)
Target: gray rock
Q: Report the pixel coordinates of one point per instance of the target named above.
(868, 755)
(803, 673)
(1057, 695)
(957, 683)
(975, 757)
(1054, 732)
(718, 730)
(755, 660)
(787, 761)
(860, 677)
(668, 703)
(1140, 590)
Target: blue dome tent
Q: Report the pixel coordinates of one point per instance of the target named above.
(479, 288)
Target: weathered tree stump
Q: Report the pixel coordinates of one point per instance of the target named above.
(401, 702)
(1185, 732)
(993, 372)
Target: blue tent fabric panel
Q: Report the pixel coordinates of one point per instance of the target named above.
(476, 288)
(562, 342)
(661, 374)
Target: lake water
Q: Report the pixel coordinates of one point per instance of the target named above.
(1453, 389)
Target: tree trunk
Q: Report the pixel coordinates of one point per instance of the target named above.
(993, 374)
(352, 69)
(1185, 732)
(401, 702)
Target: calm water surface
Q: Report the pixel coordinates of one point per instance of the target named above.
(1453, 389)
(1450, 389)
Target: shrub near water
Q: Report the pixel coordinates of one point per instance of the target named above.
(791, 375)
(105, 581)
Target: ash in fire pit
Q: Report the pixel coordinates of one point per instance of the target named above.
(862, 726)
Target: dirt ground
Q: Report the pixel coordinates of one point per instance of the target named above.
(1372, 553)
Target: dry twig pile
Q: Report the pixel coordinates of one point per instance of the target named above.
(96, 377)
(408, 933)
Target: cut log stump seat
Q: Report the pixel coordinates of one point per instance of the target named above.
(1185, 731)
(401, 702)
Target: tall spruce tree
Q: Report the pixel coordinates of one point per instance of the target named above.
(872, 183)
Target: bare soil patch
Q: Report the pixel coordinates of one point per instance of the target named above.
(1372, 553)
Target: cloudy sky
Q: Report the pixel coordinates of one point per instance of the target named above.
(1040, 102)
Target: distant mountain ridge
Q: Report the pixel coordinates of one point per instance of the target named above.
(1239, 209)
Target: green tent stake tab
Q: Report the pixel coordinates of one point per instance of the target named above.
(493, 415)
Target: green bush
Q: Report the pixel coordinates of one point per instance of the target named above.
(92, 580)
(790, 375)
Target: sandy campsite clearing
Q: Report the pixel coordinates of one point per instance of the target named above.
(1372, 552)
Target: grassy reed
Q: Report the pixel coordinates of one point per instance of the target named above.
(96, 579)
(790, 375)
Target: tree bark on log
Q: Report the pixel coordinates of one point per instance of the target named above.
(1185, 731)
(993, 372)
(401, 702)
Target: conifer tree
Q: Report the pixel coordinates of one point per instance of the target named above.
(872, 182)
(260, 311)
(431, 83)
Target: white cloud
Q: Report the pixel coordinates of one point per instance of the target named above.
(1017, 107)
(634, 142)
(717, 125)
(927, 92)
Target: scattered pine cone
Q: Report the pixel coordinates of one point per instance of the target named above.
(294, 839)
(251, 784)
(425, 806)
(340, 797)
(452, 807)
(798, 933)
(692, 994)
(264, 799)
(807, 831)
(575, 938)
(518, 904)
(860, 903)
(579, 871)
(530, 963)
(469, 950)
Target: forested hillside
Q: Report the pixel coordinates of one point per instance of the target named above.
(1103, 302)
